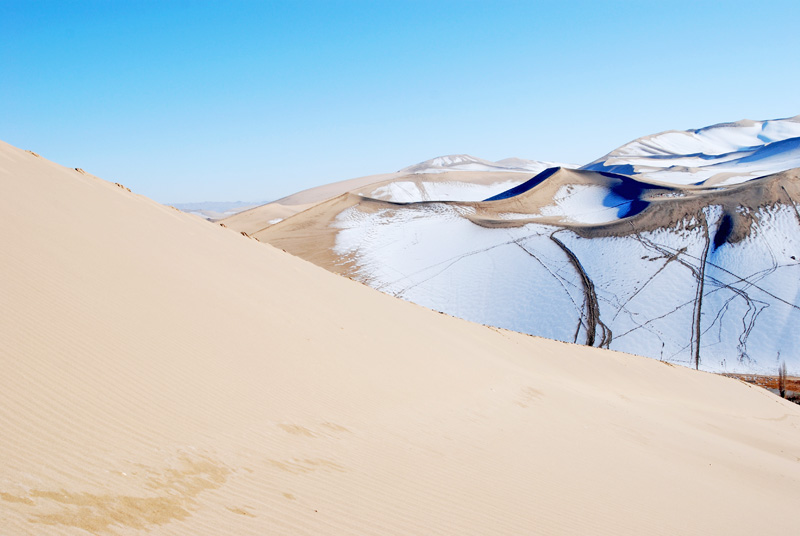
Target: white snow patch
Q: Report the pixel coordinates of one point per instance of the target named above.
(584, 203)
(412, 192)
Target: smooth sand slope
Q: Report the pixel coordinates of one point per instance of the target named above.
(163, 375)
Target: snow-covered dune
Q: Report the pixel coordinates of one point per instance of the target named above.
(465, 162)
(703, 276)
(444, 178)
(681, 246)
(726, 153)
(572, 196)
(400, 187)
(443, 186)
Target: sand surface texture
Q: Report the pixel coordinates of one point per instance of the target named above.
(164, 375)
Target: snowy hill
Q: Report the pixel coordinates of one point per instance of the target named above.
(443, 186)
(465, 162)
(727, 153)
(704, 275)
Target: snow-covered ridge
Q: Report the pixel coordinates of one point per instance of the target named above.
(682, 246)
(465, 162)
(408, 191)
(727, 153)
(704, 277)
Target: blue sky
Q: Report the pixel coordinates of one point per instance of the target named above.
(199, 101)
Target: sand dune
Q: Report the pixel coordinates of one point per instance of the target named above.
(585, 256)
(590, 203)
(163, 374)
(393, 187)
(310, 235)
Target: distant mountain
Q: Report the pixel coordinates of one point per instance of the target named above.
(701, 270)
(727, 153)
(216, 210)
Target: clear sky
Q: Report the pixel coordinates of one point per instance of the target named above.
(223, 101)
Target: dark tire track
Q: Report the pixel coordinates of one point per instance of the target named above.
(698, 300)
(591, 306)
